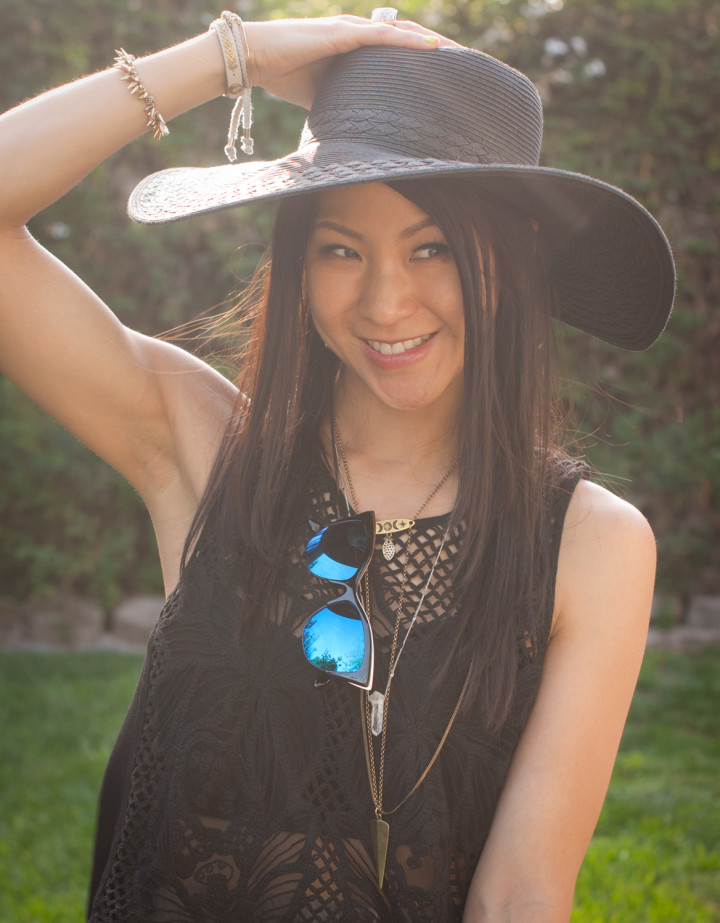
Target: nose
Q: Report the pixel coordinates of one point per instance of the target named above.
(387, 293)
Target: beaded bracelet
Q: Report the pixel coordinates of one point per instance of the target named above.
(125, 63)
(233, 43)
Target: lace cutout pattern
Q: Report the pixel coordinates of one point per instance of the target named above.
(245, 793)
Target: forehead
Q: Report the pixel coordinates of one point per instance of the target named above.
(373, 203)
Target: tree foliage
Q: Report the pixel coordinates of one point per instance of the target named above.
(631, 95)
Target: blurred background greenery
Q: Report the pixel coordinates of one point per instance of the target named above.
(632, 95)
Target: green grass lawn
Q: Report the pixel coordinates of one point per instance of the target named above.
(656, 851)
(59, 716)
(655, 856)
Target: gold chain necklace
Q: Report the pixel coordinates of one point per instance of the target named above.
(376, 704)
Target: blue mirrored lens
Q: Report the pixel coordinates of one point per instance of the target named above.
(325, 567)
(338, 551)
(334, 638)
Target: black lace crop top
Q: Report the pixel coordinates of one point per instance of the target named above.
(238, 790)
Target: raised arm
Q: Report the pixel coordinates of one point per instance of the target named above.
(562, 767)
(58, 342)
(151, 410)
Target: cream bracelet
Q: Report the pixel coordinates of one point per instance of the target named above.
(233, 72)
(125, 63)
(236, 55)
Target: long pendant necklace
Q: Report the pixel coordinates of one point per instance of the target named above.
(376, 704)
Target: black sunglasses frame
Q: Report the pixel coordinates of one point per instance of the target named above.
(363, 677)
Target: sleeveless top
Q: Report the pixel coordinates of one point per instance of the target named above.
(238, 789)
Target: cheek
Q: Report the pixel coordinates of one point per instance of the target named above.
(310, 299)
(314, 289)
(318, 324)
(325, 299)
(322, 321)
(448, 298)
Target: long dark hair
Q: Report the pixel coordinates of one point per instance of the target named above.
(258, 489)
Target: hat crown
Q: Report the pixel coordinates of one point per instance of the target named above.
(449, 103)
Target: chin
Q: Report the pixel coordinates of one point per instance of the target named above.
(410, 402)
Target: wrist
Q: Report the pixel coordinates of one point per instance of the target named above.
(185, 75)
(230, 32)
(253, 37)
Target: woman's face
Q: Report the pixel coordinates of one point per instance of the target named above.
(385, 297)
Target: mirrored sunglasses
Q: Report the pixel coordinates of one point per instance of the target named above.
(337, 639)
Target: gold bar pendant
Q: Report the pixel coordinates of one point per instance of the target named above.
(388, 526)
(380, 834)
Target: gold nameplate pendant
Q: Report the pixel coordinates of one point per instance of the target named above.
(380, 834)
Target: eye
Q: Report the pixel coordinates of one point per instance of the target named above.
(340, 251)
(430, 251)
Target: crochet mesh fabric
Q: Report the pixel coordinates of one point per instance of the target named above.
(238, 790)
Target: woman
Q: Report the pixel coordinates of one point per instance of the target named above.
(398, 363)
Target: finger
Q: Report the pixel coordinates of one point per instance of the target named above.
(442, 40)
(398, 34)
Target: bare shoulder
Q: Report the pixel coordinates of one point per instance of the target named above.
(596, 515)
(607, 558)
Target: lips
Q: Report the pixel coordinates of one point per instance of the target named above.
(396, 349)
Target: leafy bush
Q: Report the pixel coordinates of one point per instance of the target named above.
(631, 95)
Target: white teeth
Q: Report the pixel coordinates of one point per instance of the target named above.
(394, 349)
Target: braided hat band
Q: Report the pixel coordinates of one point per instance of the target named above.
(387, 113)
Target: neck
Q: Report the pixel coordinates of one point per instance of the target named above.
(396, 457)
(396, 435)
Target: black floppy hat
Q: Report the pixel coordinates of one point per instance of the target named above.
(386, 113)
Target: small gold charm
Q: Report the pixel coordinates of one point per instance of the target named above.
(388, 549)
(380, 835)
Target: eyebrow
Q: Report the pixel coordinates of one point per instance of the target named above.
(407, 232)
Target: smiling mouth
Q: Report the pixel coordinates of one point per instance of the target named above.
(394, 349)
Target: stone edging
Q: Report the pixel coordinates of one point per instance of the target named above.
(67, 623)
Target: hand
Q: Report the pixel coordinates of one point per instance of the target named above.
(289, 57)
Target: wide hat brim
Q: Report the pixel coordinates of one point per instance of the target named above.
(610, 264)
